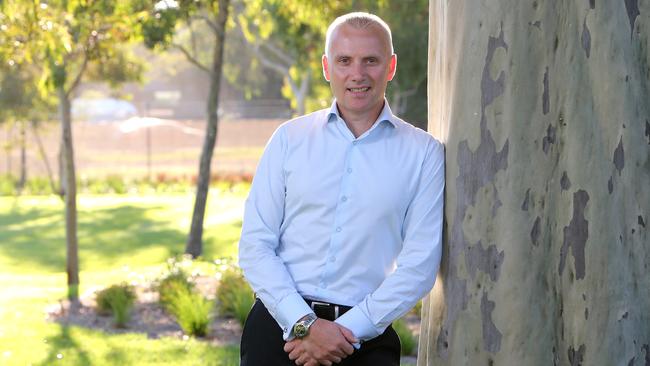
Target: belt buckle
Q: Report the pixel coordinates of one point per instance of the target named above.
(336, 307)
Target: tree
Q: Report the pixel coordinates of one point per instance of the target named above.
(288, 39)
(544, 110)
(69, 39)
(159, 31)
(22, 104)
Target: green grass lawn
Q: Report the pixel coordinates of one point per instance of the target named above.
(120, 238)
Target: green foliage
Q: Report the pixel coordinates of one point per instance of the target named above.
(234, 296)
(180, 298)
(297, 30)
(407, 339)
(169, 286)
(7, 185)
(117, 300)
(191, 309)
(117, 184)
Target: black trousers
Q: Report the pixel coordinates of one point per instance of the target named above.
(262, 344)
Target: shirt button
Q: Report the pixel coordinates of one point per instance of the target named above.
(354, 142)
(344, 199)
(332, 259)
(349, 170)
(338, 229)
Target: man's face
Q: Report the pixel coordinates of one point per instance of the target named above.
(358, 67)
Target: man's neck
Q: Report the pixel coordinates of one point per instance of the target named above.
(358, 124)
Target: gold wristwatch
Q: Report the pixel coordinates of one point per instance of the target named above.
(301, 328)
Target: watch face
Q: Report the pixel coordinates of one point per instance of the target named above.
(300, 330)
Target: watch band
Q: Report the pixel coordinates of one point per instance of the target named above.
(301, 328)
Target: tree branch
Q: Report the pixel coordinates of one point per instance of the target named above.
(77, 79)
(275, 50)
(191, 58)
(266, 62)
(211, 23)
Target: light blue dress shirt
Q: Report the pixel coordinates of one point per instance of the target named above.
(350, 221)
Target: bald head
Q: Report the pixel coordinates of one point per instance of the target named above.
(359, 20)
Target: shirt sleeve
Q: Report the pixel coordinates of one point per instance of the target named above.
(263, 216)
(418, 261)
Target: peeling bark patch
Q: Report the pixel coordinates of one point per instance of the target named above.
(565, 183)
(646, 348)
(631, 362)
(632, 7)
(610, 185)
(576, 234)
(537, 24)
(487, 260)
(524, 205)
(491, 335)
(491, 89)
(592, 4)
(576, 358)
(477, 169)
(545, 100)
(534, 233)
(640, 221)
(586, 38)
(619, 156)
(548, 139)
(647, 130)
(586, 314)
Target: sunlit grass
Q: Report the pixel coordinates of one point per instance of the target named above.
(121, 238)
(113, 231)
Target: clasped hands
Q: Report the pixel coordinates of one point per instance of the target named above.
(327, 343)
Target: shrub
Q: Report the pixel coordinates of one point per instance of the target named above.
(7, 186)
(190, 308)
(234, 295)
(117, 300)
(407, 339)
(167, 285)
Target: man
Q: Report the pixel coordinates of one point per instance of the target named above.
(342, 227)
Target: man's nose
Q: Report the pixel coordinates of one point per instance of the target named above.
(358, 71)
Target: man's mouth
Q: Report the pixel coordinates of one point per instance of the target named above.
(359, 90)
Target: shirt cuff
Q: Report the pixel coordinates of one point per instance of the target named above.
(289, 310)
(359, 324)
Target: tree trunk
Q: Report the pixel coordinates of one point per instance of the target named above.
(543, 107)
(72, 264)
(194, 245)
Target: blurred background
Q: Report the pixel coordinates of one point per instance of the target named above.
(129, 135)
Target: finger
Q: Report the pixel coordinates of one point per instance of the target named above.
(348, 349)
(326, 363)
(302, 360)
(295, 354)
(312, 363)
(289, 346)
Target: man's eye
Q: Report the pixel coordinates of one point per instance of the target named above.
(371, 61)
(344, 60)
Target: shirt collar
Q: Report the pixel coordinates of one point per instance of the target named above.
(385, 115)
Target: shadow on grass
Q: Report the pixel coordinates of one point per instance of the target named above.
(63, 347)
(36, 237)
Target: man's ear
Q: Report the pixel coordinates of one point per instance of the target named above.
(392, 68)
(326, 71)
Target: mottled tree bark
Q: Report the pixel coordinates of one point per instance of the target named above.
(544, 107)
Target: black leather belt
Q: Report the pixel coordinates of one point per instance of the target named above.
(325, 310)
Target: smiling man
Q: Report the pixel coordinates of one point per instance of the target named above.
(342, 227)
